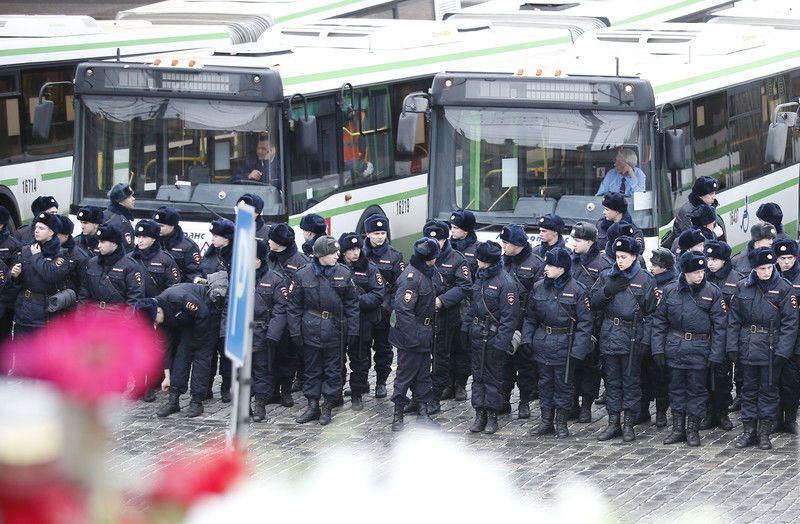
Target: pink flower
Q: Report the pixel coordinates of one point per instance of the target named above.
(92, 354)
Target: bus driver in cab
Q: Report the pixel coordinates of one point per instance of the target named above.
(265, 167)
(624, 177)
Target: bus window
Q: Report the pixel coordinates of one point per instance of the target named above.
(417, 163)
(63, 114)
(10, 138)
(745, 124)
(366, 149)
(710, 138)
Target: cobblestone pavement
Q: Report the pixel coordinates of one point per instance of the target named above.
(645, 481)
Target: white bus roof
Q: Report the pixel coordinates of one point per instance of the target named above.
(36, 38)
(780, 14)
(610, 12)
(372, 51)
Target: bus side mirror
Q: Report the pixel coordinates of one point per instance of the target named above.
(675, 149)
(778, 133)
(407, 122)
(42, 118)
(305, 129)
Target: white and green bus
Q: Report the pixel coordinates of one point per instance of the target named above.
(181, 127)
(514, 147)
(41, 49)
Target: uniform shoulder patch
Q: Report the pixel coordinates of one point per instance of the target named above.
(128, 238)
(511, 298)
(465, 270)
(175, 272)
(587, 304)
(724, 305)
(284, 292)
(191, 307)
(410, 275)
(659, 295)
(379, 278)
(138, 278)
(196, 257)
(402, 266)
(407, 296)
(793, 300)
(59, 261)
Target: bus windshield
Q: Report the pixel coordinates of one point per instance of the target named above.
(186, 151)
(513, 165)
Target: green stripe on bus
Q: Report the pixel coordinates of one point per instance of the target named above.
(56, 175)
(293, 16)
(101, 45)
(654, 12)
(327, 75)
(9, 182)
(758, 196)
(727, 71)
(363, 205)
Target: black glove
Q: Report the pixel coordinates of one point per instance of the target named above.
(615, 284)
(353, 341)
(732, 356)
(465, 340)
(525, 350)
(659, 359)
(297, 340)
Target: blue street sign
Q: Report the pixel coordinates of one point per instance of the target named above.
(239, 331)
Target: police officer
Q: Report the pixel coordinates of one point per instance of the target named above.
(786, 251)
(9, 254)
(690, 240)
(75, 257)
(323, 319)
(413, 333)
(550, 227)
(111, 278)
(119, 212)
(771, 213)
(488, 328)
(617, 230)
(587, 265)
(463, 237)
(705, 218)
(390, 263)
(370, 289)
(526, 267)
(42, 271)
(187, 312)
(313, 226)
(262, 228)
(762, 234)
(160, 269)
(762, 330)
(704, 191)
(615, 211)
(654, 383)
(689, 329)
(40, 204)
(721, 274)
(175, 242)
(558, 327)
(90, 218)
(626, 295)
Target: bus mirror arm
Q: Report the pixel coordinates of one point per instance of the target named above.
(778, 132)
(305, 128)
(674, 141)
(43, 113)
(413, 105)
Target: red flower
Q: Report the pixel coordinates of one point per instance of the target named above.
(48, 500)
(185, 478)
(92, 354)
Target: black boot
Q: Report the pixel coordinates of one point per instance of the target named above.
(397, 421)
(643, 417)
(524, 408)
(724, 421)
(678, 429)
(748, 436)
(411, 408)
(692, 435)
(448, 393)
(574, 411)
(710, 419)
(150, 395)
(434, 407)
(195, 408)
(601, 400)
(356, 403)
(286, 394)
(461, 391)
(545, 427)
(585, 416)
(172, 405)
(225, 393)
(479, 424)
(506, 409)
(561, 423)
(491, 422)
(380, 390)
(275, 397)
(259, 408)
(790, 420)
(764, 427)
(628, 435)
(424, 417)
(312, 412)
(661, 412)
(613, 429)
(326, 411)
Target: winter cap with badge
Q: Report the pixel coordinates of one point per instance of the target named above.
(627, 244)
(559, 257)
(324, 246)
(761, 256)
(168, 216)
(514, 234)
(584, 231)
(437, 229)
(147, 307)
(348, 241)
(489, 252)
(147, 228)
(551, 222)
(65, 225)
(426, 249)
(252, 200)
(717, 249)
(262, 252)
(785, 246)
(463, 219)
(222, 227)
(615, 202)
(313, 223)
(662, 257)
(690, 238)
(619, 229)
(120, 192)
(375, 223)
(692, 261)
(704, 185)
(282, 234)
(703, 215)
(91, 214)
(109, 233)
(771, 213)
(762, 231)
(41, 204)
(50, 220)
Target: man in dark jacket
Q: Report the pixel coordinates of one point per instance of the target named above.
(771, 213)
(112, 278)
(41, 204)
(313, 226)
(786, 251)
(9, 255)
(762, 234)
(550, 228)
(160, 269)
(90, 218)
(119, 213)
(75, 256)
(615, 211)
(262, 228)
(175, 242)
(704, 191)
(463, 237)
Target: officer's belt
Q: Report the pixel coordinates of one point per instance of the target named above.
(619, 321)
(555, 330)
(490, 326)
(323, 314)
(758, 329)
(30, 294)
(686, 335)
